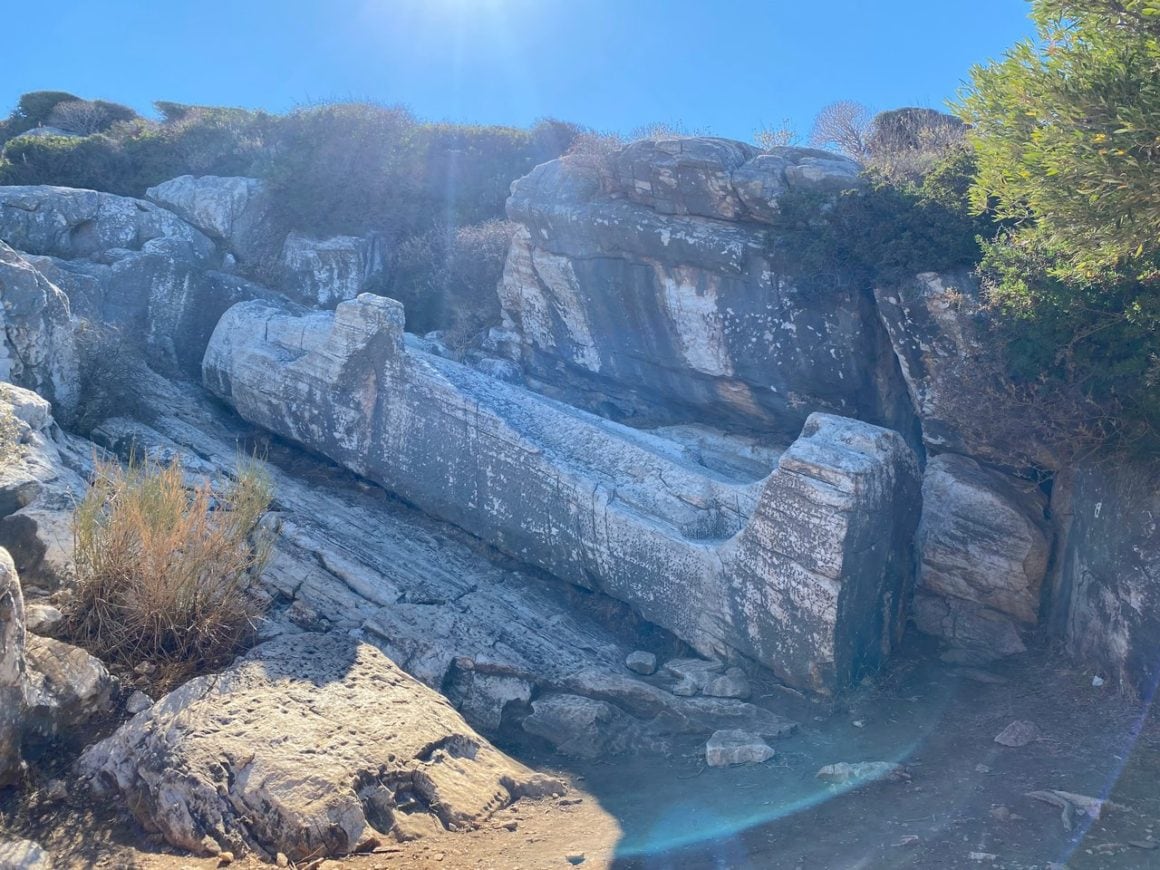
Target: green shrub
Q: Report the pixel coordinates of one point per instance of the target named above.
(93, 162)
(882, 233)
(165, 574)
(32, 110)
(109, 365)
(446, 278)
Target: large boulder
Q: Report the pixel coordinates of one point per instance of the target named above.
(802, 567)
(644, 285)
(982, 541)
(13, 669)
(37, 349)
(228, 208)
(1106, 593)
(324, 272)
(311, 746)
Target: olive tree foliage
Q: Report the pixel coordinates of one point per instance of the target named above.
(1067, 131)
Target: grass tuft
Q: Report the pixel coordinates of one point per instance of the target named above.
(165, 572)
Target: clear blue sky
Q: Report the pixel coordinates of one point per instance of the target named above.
(723, 65)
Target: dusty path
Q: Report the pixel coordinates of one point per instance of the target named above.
(966, 800)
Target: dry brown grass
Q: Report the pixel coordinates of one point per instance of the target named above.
(165, 572)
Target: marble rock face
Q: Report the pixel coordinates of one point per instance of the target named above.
(802, 567)
(983, 546)
(1107, 595)
(643, 284)
(37, 351)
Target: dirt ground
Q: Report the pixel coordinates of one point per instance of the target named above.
(965, 804)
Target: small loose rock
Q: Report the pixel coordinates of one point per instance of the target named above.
(641, 662)
(1018, 733)
(729, 747)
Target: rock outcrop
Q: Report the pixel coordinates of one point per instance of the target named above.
(1106, 598)
(236, 212)
(803, 569)
(312, 746)
(983, 546)
(13, 670)
(124, 262)
(42, 476)
(324, 272)
(37, 351)
(955, 381)
(227, 208)
(642, 284)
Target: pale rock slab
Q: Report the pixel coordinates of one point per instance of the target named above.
(67, 689)
(309, 746)
(228, 208)
(24, 855)
(727, 748)
(804, 571)
(324, 272)
(641, 662)
(982, 543)
(39, 485)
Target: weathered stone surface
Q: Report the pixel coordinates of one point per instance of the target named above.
(24, 855)
(309, 746)
(1107, 594)
(982, 539)
(845, 772)
(324, 272)
(42, 619)
(935, 324)
(128, 263)
(39, 483)
(696, 672)
(641, 662)
(727, 748)
(803, 571)
(641, 285)
(70, 223)
(586, 728)
(67, 688)
(13, 669)
(229, 208)
(36, 350)
(731, 684)
(978, 634)
(422, 591)
(1018, 734)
